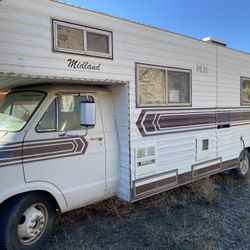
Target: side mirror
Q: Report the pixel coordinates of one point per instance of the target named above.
(87, 113)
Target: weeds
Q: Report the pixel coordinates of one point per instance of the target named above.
(205, 190)
(115, 207)
(200, 215)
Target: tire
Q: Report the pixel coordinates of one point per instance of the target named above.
(243, 164)
(26, 221)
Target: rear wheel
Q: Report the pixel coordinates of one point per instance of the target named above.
(243, 164)
(26, 221)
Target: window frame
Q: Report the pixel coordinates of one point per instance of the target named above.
(84, 29)
(242, 78)
(166, 69)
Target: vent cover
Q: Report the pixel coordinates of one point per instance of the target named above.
(215, 41)
(145, 158)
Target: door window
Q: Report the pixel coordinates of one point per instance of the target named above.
(63, 114)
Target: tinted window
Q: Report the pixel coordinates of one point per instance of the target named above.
(97, 42)
(178, 87)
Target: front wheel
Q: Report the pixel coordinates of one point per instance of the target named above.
(26, 221)
(243, 164)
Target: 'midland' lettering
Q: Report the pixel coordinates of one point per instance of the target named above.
(75, 64)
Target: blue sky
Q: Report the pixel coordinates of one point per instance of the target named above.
(225, 19)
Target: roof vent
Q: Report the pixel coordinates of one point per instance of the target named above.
(214, 40)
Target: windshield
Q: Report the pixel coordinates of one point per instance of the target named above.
(17, 108)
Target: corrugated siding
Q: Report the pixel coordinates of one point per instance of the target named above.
(120, 102)
(26, 43)
(178, 151)
(231, 66)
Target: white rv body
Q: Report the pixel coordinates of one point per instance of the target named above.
(27, 58)
(134, 150)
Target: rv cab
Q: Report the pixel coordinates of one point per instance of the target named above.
(56, 141)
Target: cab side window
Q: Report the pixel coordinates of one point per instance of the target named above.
(48, 121)
(63, 114)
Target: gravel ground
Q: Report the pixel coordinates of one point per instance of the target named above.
(213, 213)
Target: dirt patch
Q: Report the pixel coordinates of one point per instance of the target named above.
(213, 213)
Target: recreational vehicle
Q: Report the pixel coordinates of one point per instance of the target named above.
(94, 106)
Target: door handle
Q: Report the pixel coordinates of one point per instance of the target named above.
(227, 125)
(96, 139)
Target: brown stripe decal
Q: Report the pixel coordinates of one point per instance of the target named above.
(153, 122)
(229, 164)
(206, 170)
(10, 153)
(157, 184)
(165, 184)
(41, 150)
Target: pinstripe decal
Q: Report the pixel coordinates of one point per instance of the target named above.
(30, 151)
(154, 122)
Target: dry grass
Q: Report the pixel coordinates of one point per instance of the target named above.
(199, 215)
(203, 191)
(115, 207)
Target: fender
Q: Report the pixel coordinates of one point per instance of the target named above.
(37, 186)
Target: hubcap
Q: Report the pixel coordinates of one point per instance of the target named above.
(244, 165)
(32, 224)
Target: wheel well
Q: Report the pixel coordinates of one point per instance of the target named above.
(45, 193)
